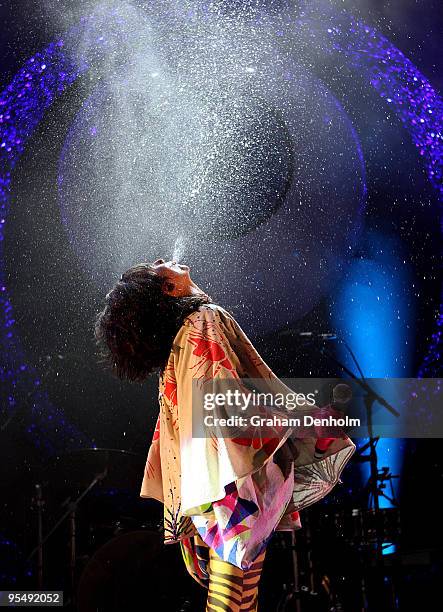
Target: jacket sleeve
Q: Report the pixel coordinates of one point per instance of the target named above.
(210, 360)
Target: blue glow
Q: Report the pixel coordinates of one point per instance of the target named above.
(389, 549)
(374, 312)
(404, 88)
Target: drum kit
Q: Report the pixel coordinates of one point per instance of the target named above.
(334, 564)
(115, 558)
(110, 541)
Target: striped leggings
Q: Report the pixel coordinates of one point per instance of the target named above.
(230, 589)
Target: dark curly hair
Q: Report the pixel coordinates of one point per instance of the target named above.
(135, 330)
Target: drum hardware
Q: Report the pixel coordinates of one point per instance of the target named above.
(383, 477)
(309, 556)
(71, 515)
(297, 597)
(319, 587)
(292, 595)
(335, 604)
(84, 469)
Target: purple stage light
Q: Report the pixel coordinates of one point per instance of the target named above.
(417, 104)
(48, 74)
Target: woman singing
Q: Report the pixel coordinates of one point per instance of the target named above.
(223, 496)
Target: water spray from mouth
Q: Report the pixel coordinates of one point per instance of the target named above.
(179, 248)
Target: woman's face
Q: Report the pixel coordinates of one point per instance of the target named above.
(178, 281)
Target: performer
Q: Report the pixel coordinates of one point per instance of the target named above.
(223, 497)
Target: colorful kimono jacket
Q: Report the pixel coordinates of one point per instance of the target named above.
(229, 492)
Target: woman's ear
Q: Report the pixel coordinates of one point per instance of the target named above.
(169, 287)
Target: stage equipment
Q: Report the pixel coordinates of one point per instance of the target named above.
(79, 472)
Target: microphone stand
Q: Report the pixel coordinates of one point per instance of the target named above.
(71, 513)
(369, 398)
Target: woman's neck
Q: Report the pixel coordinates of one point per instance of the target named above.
(195, 290)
